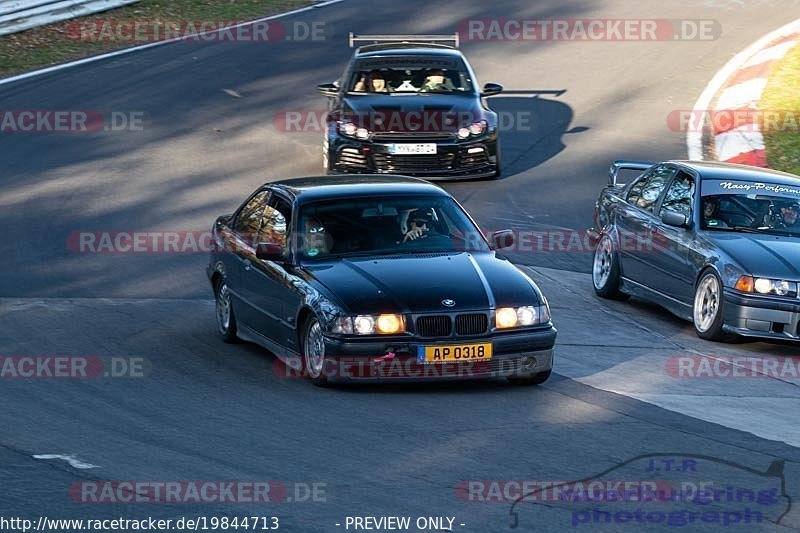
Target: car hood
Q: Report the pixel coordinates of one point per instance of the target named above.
(364, 110)
(762, 255)
(419, 283)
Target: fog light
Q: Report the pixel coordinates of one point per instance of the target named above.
(475, 150)
(763, 286)
(389, 324)
(506, 317)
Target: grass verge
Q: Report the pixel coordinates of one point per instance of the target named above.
(55, 43)
(782, 94)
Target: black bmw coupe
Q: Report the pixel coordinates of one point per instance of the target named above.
(376, 278)
(715, 243)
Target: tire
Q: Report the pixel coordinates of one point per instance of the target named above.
(605, 271)
(313, 357)
(526, 381)
(708, 313)
(226, 319)
(326, 155)
(498, 173)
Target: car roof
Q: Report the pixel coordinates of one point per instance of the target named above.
(314, 188)
(712, 170)
(406, 49)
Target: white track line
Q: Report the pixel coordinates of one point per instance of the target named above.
(694, 138)
(73, 461)
(125, 51)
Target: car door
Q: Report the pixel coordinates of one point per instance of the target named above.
(672, 245)
(268, 285)
(245, 225)
(635, 221)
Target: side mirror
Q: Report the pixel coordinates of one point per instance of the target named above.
(269, 252)
(502, 240)
(328, 89)
(671, 218)
(491, 89)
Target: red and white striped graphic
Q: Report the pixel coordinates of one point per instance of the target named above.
(734, 142)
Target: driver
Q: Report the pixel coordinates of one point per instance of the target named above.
(789, 215)
(416, 224)
(434, 82)
(317, 241)
(711, 213)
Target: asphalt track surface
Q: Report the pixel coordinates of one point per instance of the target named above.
(209, 411)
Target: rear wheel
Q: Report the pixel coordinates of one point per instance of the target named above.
(226, 319)
(314, 359)
(708, 312)
(605, 271)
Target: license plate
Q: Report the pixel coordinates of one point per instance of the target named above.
(413, 149)
(454, 353)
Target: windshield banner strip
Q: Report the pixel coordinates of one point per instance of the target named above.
(716, 187)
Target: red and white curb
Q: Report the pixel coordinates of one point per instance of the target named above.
(744, 143)
(735, 89)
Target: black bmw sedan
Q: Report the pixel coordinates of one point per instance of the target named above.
(376, 278)
(413, 108)
(715, 243)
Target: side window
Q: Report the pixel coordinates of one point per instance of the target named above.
(248, 221)
(275, 220)
(645, 192)
(679, 195)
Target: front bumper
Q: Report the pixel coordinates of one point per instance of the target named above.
(524, 353)
(476, 159)
(762, 316)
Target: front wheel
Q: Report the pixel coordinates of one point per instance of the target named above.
(606, 272)
(226, 319)
(708, 310)
(314, 360)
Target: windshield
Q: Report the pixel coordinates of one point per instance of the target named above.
(386, 226)
(410, 75)
(751, 207)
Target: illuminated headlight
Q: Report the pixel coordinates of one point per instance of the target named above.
(475, 129)
(362, 133)
(386, 324)
(349, 129)
(511, 317)
(478, 128)
(766, 286)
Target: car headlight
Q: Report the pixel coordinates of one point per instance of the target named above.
(528, 315)
(351, 130)
(385, 324)
(777, 287)
(473, 130)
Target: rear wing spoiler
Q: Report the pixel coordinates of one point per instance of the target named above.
(407, 39)
(622, 164)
